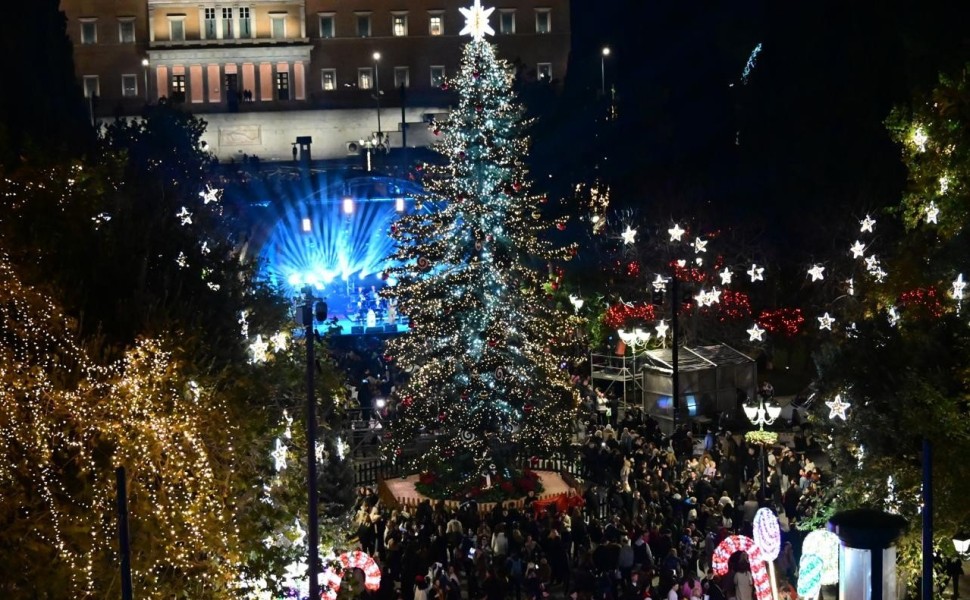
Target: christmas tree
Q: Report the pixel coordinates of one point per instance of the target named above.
(483, 351)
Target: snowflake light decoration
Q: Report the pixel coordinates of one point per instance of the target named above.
(476, 21)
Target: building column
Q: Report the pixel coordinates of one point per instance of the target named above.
(302, 20)
(298, 83)
(151, 24)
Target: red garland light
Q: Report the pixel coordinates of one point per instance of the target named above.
(785, 321)
(923, 298)
(618, 315)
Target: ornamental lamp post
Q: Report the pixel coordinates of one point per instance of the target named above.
(377, 91)
(961, 543)
(765, 413)
(603, 55)
(636, 338)
(144, 65)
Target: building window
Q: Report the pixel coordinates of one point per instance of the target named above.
(506, 22)
(365, 78)
(245, 23)
(176, 29)
(209, 23)
(126, 31)
(402, 76)
(283, 85)
(227, 23)
(89, 31)
(437, 76)
(129, 86)
(326, 26)
(544, 71)
(436, 24)
(178, 88)
(363, 25)
(399, 25)
(92, 86)
(543, 20)
(278, 31)
(328, 79)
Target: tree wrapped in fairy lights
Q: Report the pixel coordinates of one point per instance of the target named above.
(485, 340)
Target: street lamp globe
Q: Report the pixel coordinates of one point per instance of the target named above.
(377, 56)
(606, 50)
(144, 62)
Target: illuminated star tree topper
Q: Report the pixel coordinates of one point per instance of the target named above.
(476, 21)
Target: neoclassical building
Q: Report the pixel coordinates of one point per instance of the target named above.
(251, 67)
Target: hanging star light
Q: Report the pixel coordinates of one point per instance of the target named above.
(676, 233)
(850, 286)
(958, 285)
(816, 272)
(858, 249)
(279, 341)
(476, 21)
(932, 212)
(660, 284)
(726, 275)
(700, 245)
(629, 236)
(714, 296)
(577, 302)
(662, 328)
(185, 216)
(756, 273)
(279, 455)
(702, 298)
(756, 333)
(259, 350)
(825, 322)
(872, 264)
(837, 407)
(893, 316)
(209, 195)
(867, 224)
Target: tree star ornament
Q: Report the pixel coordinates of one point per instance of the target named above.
(756, 333)
(676, 233)
(756, 273)
(700, 245)
(629, 236)
(726, 276)
(932, 212)
(825, 322)
(837, 407)
(659, 284)
(858, 249)
(476, 21)
(867, 224)
(662, 328)
(816, 272)
(958, 285)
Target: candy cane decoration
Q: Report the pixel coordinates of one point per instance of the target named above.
(742, 543)
(351, 560)
(825, 545)
(767, 535)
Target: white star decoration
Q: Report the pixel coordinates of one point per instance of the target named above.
(756, 273)
(866, 224)
(893, 316)
(662, 330)
(660, 284)
(185, 216)
(850, 286)
(700, 245)
(279, 455)
(932, 212)
(476, 21)
(209, 195)
(259, 350)
(837, 407)
(858, 249)
(726, 276)
(279, 341)
(958, 285)
(629, 236)
(825, 322)
(816, 272)
(676, 233)
(756, 333)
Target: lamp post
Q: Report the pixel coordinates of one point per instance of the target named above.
(763, 414)
(311, 311)
(603, 55)
(377, 90)
(144, 65)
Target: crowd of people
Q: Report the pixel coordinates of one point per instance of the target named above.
(654, 508)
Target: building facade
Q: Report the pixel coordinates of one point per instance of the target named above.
(245, 56)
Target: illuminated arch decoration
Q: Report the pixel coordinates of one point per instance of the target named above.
(352, 560)
(742, 543)
(825, 545)
(810, 570)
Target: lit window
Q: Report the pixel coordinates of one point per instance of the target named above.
(279, 27)
(437, 76)
(543, 20)
(365, 78)
(402, 76)
(89, 31)
(227, 23)
(209, 23)
(129, 86)
(176, 29)
(436, 25)
(178, 88)
(506, 22)
(92, 86)
(245, 23)
(328, 79)
(326, 26)
(363, 25)
(399, 25)
(544, 71)
(126, 31)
